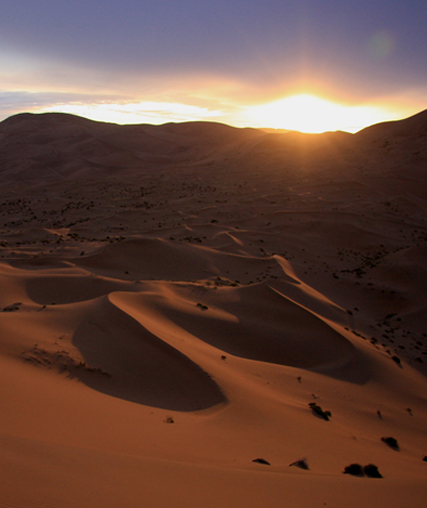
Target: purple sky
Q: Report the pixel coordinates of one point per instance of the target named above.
(213, 59)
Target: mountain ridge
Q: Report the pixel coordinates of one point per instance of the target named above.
(60, 145)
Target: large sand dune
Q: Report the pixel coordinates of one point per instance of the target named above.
(173, 298)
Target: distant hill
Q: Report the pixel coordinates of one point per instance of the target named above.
(413, 127)
(56, 146)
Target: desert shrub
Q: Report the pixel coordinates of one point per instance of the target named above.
(262, 461)
(372, 471)
(354, 469)
(391, 441)
(302, 464)
(319, 411)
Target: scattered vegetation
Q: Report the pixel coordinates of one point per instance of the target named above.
(62, 360)
(371, 471)
(11, 308)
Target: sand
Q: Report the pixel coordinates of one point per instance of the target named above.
(173, 298)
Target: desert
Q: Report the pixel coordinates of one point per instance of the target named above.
(193, 314)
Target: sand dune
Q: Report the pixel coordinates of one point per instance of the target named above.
(179, 301)
(254, 322)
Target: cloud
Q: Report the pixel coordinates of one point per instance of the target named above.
(13, 102)
(107, 108)
(137, 112)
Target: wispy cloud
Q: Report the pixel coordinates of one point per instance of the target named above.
(107, 108)
(137, 112)
(13, 102)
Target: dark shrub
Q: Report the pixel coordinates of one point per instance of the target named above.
(391, 441)
(302, 464)
(372, 471)
(354, 469)
(319, 411)
(262, 461)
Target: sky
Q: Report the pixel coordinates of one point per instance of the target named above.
(310, 65)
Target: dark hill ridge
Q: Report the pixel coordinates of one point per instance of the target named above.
(412, 127)
(166, 138)
(55, 146)
(60, 145)
(398, 139)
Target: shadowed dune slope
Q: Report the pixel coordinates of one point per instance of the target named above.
(63, 288)
(139, 366)
(160, 259)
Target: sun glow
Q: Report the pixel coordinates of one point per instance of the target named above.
(307, 113)
(303, 112)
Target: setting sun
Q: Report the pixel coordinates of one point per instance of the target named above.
(307, 113)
